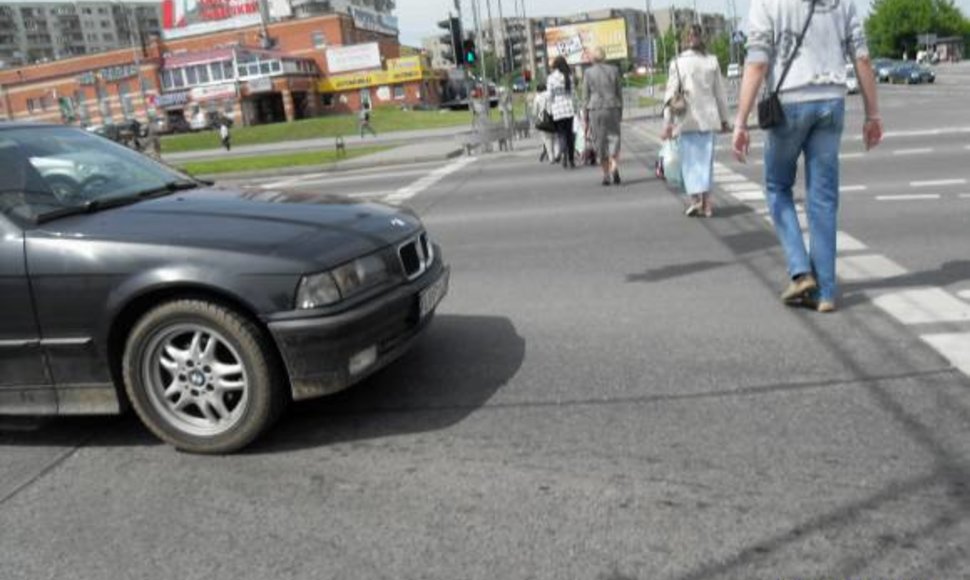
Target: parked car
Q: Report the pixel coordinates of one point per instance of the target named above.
(519, 85)
(205, 309)
(172, 124)
(905, 73)
(851, 80)
(926, 74)
(882, 67)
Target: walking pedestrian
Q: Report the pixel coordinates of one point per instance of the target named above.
(603, 94)
(363, 119)
(560, 94)
(224, 135)
(802, 48)
(694, 78)
(540, 110)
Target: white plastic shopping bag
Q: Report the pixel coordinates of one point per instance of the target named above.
(670, 154)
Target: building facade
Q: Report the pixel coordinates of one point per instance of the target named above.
(43, 30)
(222, 73)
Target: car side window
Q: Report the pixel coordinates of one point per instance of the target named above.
(23, 192)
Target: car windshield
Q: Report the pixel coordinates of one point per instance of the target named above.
(56, 171)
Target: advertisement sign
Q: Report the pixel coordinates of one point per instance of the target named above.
(373, 21)
(400, 70)
(577, 41)
(260, 85)
(353, 57)
(190, 17)
(213, 92)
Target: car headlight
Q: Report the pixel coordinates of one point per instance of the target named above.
(342, 282)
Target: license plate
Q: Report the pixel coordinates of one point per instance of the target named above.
(432, 295)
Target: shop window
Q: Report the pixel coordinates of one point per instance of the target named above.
(202, 71)
(399, 92)
(327, 99)
(31, 106)
(190, 76)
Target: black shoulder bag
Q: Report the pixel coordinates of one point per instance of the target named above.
(770, 112)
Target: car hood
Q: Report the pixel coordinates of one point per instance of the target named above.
(310, 228)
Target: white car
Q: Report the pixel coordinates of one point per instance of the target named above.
(851, 80)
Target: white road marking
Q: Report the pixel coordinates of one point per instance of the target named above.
(370, 194)
(851, 155)
(938, 183)
(746, 186)
(843, 241)
(729, 178)
(955, 347)
(922, 133)
(748, 195)
(428, 180)
(908, 197)
(849, 188)
(923, 305)
(918, 151)
(867, 267)
(328, 179)
(846, 243)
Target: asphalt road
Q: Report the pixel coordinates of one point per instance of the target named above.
(610, 391)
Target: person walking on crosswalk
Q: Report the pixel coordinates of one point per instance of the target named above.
(801, 49)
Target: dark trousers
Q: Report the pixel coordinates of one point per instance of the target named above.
(567, 140)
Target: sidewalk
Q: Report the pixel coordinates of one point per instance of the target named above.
(422, 152)
(327, 143)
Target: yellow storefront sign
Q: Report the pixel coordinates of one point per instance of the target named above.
(577, 41)
(399, 70)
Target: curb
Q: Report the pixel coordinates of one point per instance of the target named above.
(337, 167)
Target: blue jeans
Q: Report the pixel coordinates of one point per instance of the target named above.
(812, 128)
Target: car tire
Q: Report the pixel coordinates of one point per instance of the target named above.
(202, 377)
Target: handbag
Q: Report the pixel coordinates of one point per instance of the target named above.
(770, 112)
(545, 123)
(678, 103)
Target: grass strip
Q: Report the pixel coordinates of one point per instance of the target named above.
(280, 161)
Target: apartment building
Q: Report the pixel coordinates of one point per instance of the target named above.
(36, 31)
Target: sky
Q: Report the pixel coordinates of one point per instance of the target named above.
(418, 18)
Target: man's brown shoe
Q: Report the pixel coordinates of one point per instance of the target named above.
(825, 306)
(798, 288)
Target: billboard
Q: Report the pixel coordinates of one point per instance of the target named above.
(399, 70)
(373, 21)
(353, 57)
(577, 41)
(190, 17)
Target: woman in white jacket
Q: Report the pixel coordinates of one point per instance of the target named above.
(695, 76)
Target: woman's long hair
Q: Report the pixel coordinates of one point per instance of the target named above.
(562, 66)
(697, 31)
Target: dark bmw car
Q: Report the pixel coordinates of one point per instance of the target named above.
(206, 309)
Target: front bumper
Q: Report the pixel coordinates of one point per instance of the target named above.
(318, 352)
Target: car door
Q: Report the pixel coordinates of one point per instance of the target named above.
(25, 385)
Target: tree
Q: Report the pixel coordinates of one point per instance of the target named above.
(893, 26)
(720, 46)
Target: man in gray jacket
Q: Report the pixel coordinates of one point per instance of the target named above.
(813, 100)
(603, 103)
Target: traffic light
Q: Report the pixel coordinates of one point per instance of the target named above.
(468, 48)
(453, 38)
